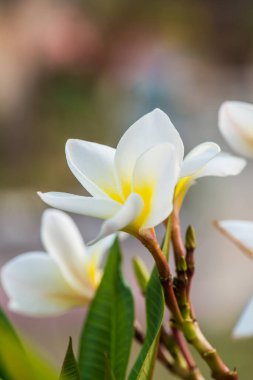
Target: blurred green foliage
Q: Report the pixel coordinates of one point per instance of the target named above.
(17, 361)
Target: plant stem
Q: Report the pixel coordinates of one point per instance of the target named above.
(167, 361)
(181, 280)
(190, 263)
(190, 328)
(183, 348)
(149, 240)
(168, 340)
(176, 347)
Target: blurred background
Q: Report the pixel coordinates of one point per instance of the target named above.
(88, 69)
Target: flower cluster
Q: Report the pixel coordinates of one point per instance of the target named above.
(133, 188)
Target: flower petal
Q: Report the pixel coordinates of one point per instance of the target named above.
(96, 207)
(198, 157)
(244, 327)
(236, 125)
(150, 130)
(36, 286)
(127, 214)
(155, 177)
(65, 245)
(222, 165)
(240, 232)
(93, 165)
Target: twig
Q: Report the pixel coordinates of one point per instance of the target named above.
(183, 348)
(148, 239)
(190, 245)
(190, 328)
(167, 361)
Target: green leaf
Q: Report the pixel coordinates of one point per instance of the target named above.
(108, 332)
(109, 375)
(9, 344)
(70, 369)
(17, 361)
(144, 365)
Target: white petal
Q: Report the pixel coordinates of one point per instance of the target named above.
(65, 245)
(155, 177)
(150, 130)
(127, 214)
(240, 232)
(93, 165)
(36, 286)
(96, 207)
(198, 157)
(244, 327)
(236, 125)
(222, 165)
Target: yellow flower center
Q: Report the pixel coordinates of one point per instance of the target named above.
(145, 191)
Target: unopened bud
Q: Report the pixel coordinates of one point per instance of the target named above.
(181, 265)
(190, 238)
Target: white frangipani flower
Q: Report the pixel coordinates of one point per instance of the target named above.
(240, 232)
(236, 125)
(43, 284)
(133, 186)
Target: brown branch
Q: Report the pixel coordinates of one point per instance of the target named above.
(166, 279)
(183, 348)
(190, 245)
(168, 341)
(190, 327)
(167, 362)
(149, 240)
